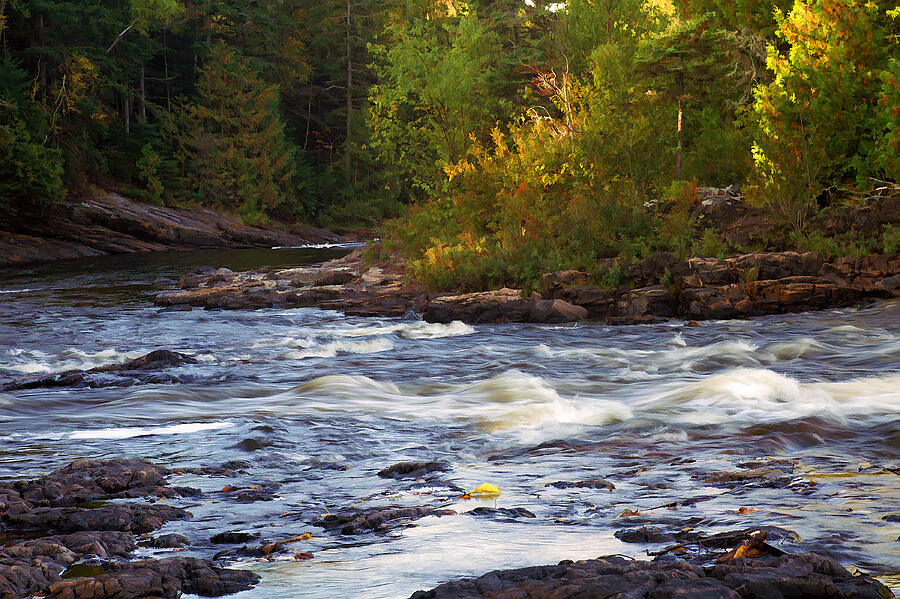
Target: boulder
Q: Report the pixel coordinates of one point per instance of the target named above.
(503, 305)
(556, 311)
(552, 281)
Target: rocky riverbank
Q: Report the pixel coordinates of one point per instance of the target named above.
(660, 287)
(113, 224)
(77, 532)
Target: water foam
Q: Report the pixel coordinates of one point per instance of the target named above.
(758, 395)
(144, 431)
(510, 400)
(333, 348)
(413, 330)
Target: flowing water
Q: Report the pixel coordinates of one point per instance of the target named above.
(327, 401)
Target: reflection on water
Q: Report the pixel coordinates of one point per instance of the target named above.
(654, 409)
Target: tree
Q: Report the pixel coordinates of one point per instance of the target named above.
(816, 122)
(237, 154)
(680, 63)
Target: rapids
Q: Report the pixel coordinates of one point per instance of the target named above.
(656, 409)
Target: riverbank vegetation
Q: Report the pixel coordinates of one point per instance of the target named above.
(507, 137)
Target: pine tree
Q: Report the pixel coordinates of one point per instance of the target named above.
(237, 152)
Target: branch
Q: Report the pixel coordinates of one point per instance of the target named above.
(121, 35)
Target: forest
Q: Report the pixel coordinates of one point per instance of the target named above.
(492, 140)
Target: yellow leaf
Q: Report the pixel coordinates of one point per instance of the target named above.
(485, 490)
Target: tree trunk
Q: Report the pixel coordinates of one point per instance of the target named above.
(680, 137)
(347, 157)
(127, 102)
(143, 96)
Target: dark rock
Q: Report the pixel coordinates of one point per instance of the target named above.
(377, 519)
(251, 444)
(233, 537)
(643, 534)
(155, 360)
(594, 483)
(412, 469)
(892, 518)
(168, 577)
(516, 512)
(798, 576)
(169, 541)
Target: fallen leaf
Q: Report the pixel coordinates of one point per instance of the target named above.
(627, 513)
(303, 556)
(747, 510)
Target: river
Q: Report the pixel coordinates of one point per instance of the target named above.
(319, 403)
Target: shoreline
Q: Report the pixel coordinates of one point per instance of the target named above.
(742, 286)
(111, 224)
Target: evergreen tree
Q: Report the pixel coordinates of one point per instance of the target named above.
(237, 154)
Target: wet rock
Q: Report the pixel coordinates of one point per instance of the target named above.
(169, 541)
(155, 360)
(502, 512)
(168, 577)
(378, 519)
(614, 577)
(252, 493)
(233, 537)
(89, 480)
(891, 518)
(598, 301)
(644, 534)
(251, 444)
(102, 544)
(229, 469)
(594, 483)
(124, 518)
(412, 469)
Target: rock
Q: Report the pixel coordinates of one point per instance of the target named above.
(169, 577)
(136, 369)
(377, 519)
(552, 281)
(233, 537)
(504, 305)
(594, 483)
(649, 301)
(169, 541)
(113, 224)
(412, 469)
(556, 311)
(598, 301)
(644, 534)
(505, 513)
(614, 577)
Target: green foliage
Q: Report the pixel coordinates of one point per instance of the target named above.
(814, 121)
(30, 173)
(148, 170)
(891, 239)
(711, 246)
(236, 152)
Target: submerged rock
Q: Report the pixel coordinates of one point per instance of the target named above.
(137, 370)
(412, 469)
(378, 519)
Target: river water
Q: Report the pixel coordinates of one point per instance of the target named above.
(320, 403)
